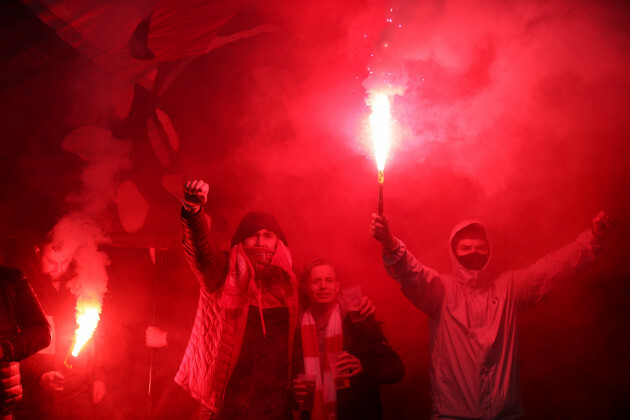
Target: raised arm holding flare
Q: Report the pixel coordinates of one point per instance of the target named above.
(473, 319)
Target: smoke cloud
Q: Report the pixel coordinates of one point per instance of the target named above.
(82, 231)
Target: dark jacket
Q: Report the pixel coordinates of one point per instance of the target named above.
(223, 351)
(23, 331)
(381, 365)
(86, 368)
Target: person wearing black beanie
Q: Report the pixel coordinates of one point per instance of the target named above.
(254, 221)
(237, 360)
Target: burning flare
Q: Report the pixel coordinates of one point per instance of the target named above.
(87, 319)
(380, 123)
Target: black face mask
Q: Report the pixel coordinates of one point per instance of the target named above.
(271, 277)
(259, 256)
(474, 261)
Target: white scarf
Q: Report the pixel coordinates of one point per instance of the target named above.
(325, 407)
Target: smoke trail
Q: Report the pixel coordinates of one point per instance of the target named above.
(80, 236)
(82, 230)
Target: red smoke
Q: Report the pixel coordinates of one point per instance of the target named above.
(514, 113)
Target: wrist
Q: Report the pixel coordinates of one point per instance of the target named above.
(598, 236)
(391, 244)
(192, 209)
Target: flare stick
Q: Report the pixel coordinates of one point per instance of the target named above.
(380, 191)
(379, 122)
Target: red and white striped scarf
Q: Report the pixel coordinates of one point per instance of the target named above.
(325, 407)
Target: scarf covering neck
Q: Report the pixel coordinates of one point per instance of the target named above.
(325, 407)
(241, 273)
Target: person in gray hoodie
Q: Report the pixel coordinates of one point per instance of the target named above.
(473, 318)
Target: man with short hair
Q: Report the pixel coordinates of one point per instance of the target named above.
(473, 319)
(51, 390)
(365, 358)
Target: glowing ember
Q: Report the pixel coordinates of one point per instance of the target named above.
(379, 121)
(87, 319)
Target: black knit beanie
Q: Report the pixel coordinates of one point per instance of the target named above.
(252, 222)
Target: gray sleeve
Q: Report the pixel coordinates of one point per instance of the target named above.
(422, 285)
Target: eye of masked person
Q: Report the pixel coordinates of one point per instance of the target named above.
(473, 253)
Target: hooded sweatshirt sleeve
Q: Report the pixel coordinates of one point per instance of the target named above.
(207, 262)
(533, 283)
(420, 284)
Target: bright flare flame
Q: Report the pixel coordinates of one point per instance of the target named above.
(87, 319)
(379, 121)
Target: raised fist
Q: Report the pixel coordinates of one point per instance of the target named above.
(195, 193)
(603, 224)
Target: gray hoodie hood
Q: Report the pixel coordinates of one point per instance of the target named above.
(465, 276)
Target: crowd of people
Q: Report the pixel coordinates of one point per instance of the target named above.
(267, 343)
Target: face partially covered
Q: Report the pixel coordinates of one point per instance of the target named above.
(472, 253)
(322, 286)
(260, 247)
(52, 262)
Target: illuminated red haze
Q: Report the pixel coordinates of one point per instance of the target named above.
(510, 113)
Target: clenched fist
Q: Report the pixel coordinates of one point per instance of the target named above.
(603, 224)
(195, 194)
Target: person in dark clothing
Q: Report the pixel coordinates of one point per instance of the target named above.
(333, 348)
(236, 363)
(53, 389)
(23, 331)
